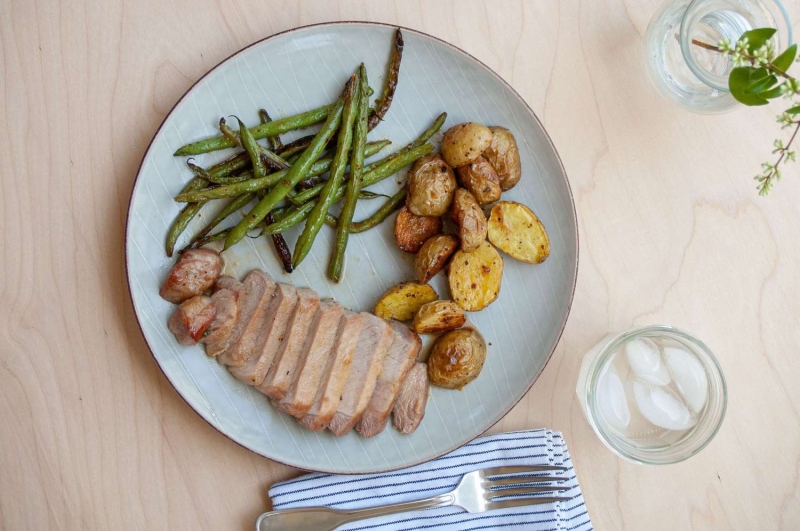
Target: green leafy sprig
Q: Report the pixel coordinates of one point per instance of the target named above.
(759, 76)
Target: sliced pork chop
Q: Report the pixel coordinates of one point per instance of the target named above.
(398, 361)
(371, 348)
(193, 273)
(273, 330)
(410, 405)
(228, 282)
(282, 373)
(192, 319)
(259, 288)
(311, 365)
(335, 373)
(226, 306)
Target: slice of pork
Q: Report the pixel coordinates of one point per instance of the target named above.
(282, 373)
(226, 308)
(410, 405)
(373, 344)
(191, 319)
(399, 360)
(259, 288)
(193, 273)
(335, 373)
(228, 282)
(318, 348)
(273, 330)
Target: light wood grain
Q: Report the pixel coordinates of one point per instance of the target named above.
(671, 231)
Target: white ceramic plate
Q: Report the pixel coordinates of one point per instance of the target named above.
(300, 70)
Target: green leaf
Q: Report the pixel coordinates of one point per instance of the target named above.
(740, 78)
(761, 85)
(757, 38)
(751, 100)
(785, 60)
(772, 93)
(793, 110)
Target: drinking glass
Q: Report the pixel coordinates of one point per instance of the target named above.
(695, 77)
(654, 395)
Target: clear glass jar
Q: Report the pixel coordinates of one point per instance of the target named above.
(692, 76)
(654, 395)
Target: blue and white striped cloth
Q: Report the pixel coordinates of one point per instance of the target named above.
(531, 447)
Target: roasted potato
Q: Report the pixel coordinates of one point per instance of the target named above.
(438, 316)
(433, 256)
(431, 185)
(503, 155)
(463, 143)
(411, 230)
(516, 231)
(457, 358)
(470, 219)
(481, 179)
(401, 302)
(475, 277)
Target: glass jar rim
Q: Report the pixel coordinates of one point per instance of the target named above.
(684, 448)
(686, 46)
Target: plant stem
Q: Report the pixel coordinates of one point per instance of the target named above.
(707, 46)
(769, 66)
(767, 184)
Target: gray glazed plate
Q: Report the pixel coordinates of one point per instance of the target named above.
(299, 70)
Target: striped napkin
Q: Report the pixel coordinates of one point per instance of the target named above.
(531, 447)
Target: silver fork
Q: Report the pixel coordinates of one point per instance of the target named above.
(477, 492)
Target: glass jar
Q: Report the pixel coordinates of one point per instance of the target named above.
(654, 395)
(695, 77)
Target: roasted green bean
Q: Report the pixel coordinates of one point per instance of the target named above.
(276, 127)
(275, 143)
(185, 215)
(352, 99)
(353, 185)
(385, 101)
(296, 173)
(394, 203)
(254, 185)
(267, 157)
(281, 247)
(234, 206)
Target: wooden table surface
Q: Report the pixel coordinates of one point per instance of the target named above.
(671, 231)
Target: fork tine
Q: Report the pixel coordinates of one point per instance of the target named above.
(494, 494)
(523, 502)
(505, 470)
(521, 479)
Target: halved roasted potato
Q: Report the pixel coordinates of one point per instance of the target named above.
(503, 155)
(481, 179)
(471, 221)
(475, 277)
(463, 143)
(431, 185)
(401, 302)
(516, 231)
(457, 358)
(438, 316)
(411, 230)
(433, 256)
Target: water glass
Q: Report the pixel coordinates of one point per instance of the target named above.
(654, 395)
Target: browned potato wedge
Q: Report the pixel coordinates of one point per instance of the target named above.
(457, 358)
(516, 231)
(431, 185)
(411, 231)
(471, 221)
(438, 316)
(480, 178)
(401, 302)
(463, 143)
(433, 256)
(503, 154)
(475, 277)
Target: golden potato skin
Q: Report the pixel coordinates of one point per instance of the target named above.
(503, 155)
(411, 231)
(463, 143)
(438, 316)
(433, 256)
(481, 179)
(518, 232)
(470, 219)
(431, 186)
(403, 301)
(457, 358)
(475, 277)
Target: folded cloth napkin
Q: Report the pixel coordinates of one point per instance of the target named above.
(530, 447)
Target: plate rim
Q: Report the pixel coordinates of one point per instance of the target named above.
(561, 328)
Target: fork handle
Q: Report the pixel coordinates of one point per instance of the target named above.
(327, 519)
